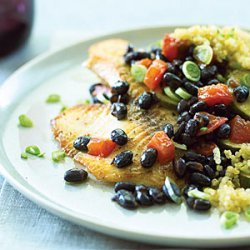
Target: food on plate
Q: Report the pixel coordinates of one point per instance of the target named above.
(170, 123)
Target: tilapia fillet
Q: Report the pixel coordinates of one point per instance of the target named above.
(96, 121)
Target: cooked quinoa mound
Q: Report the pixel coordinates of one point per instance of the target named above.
(227, 194)
(229, 43)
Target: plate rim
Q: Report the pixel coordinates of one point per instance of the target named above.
(92, 223)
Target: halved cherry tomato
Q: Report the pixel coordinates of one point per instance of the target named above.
(100, 147)
(215, 94)
(204, 148)
(145, 62)
(214, 122)
(170, 47)
(240, 130)
(155, 73)
(164, 146)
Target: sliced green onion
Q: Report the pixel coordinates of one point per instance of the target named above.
(183, 93)
(171, 94)
(203, 129)
(58, 155)
(41, 155)
(25, 121)
(191, 71)
(203, 53)
(175, 198)
(33, 150)
(87, 101)
(24, 156)
(63, 108)
(229, 219)
(221, 78)
(138, 72)
(247, 214)
(198, 194)
(54, 98)
(180, 146)
(245, 80)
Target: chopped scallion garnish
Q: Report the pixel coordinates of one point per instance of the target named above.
(54, 98)
(229, 219)
(138, 72)
(203, 129)
(58, 155)
(198, 194)
(25, 121)
(33, 150)
(24, 156)
(203, 53)
(191, 71)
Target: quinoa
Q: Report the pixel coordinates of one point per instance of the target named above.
(226, 193)
(228, 43)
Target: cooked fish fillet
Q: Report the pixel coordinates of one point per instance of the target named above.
(106, 60)
(96, 121)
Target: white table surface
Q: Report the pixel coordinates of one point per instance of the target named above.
(83, 18)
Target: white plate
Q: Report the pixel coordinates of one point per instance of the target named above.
(87, 204)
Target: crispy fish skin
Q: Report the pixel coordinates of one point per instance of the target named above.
(96, 121)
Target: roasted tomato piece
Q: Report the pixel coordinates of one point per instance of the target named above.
(164, 146)
(155, 73)
(215, 94)
(214, 122)
(204, 148)
(100, 147)
(170, 47)
(240, 130)
(145, 62)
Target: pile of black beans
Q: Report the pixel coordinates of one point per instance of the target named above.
(199, 169)
(131, 196)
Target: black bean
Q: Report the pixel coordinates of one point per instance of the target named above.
(191, 88)
(119, 98)
(192, 156)
(241, 93)
(192, 100)
(136, 55)
(194, 165)
(179, 131)
(144, 199)
(141, 188)
(197, 107)
(222, 173)
(160, 56)
(182, 106)
(125, 199)
(81, 143)
(179, 167)
(188, 188)
(224, 161)
(209, 172)
(223, 131)
(157, 195)
(191, 127)
(145, 100)
(130, 48)
(202, 119)
(148, 157)
(123, 159)
(75, 175)
(187, 139)
(211, 162)
(198, 204)
(208, 72)
(120, 87)
(119, 110)
(199, 84)
(124, 185)
(119, 137)
(171, 80)
(184, 117)
(213, 81)
(168, 129)
(219, 109)
(172, 68)
(200, 179)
